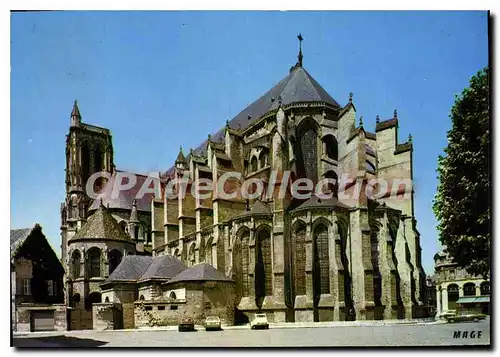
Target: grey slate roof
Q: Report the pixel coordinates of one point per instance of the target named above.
(163, 267)
(101, 225)
(298, 86)
(132, 267)
(200, 272)
(123, 199)
(17, 238)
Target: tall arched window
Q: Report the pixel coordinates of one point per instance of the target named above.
(307, 155)
(114, 259)
(330, 147)
(299, 258)
(470, 289)
(240, 263)
(94, 262)
(75, 264)
(321, 269)
(263, 268)
(254, 164)
(172, 295)
(85, 162)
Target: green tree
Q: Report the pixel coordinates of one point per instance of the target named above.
(462, 204)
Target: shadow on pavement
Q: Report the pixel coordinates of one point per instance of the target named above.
(56, 341)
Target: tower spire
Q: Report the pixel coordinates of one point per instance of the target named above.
(75, 114)
(299, 63)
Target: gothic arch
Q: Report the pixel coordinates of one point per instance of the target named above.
(263, 266)
(299, 229)
(241, 262)
(321, 258)
(94, 262)
(76, 257)
(93, 298)
(307, 159)
(330, 147)
(321, 220)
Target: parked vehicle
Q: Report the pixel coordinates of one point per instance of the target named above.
(259, 321)
(187, 324)
(464, 317)
(212, 323)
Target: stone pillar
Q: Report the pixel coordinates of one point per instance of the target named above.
(385, 267)
(404, 271)
(355, 259)
(478, 289)
(460, 289)
(444, 294)
(334, 269)
(438, 301)
(276, 303)
(247, 303)
(327, 302)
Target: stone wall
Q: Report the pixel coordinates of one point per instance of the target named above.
(24, 311)
(202, 299)
(106, 316)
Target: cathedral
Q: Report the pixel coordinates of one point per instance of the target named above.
(352, 256)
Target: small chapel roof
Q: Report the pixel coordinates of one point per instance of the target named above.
(101, 225)
(163, 267)
(131, 268)
(200, 272)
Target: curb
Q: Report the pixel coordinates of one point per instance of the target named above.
(274, 326)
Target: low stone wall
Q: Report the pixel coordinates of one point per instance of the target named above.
(160, 313)
(107, 316)
(24, 311)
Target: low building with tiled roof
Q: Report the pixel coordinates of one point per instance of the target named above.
(162, 291)
(37, 282)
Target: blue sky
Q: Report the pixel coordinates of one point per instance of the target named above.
(159, 80)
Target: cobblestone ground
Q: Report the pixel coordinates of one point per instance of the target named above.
(394, 335)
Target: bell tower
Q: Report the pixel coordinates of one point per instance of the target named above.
(89, 150)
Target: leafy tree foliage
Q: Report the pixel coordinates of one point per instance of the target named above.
(462, 204)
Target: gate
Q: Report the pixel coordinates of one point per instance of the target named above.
(80, 319)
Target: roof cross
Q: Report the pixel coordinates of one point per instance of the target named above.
(299, 63)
